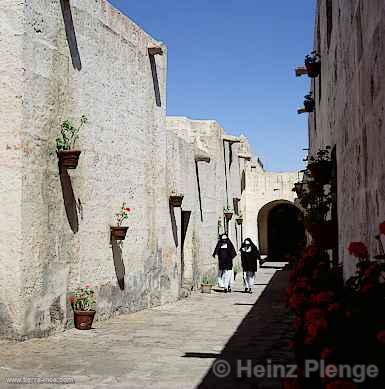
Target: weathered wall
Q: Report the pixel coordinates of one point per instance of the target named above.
(350, 105)
(57, 231)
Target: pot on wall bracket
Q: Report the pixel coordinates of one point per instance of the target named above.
(228, 215)
(176, 200)
(313, 69)
(321, 171)
(298, 188)
(68, 159)
(118, 233)
(83, 319)
(239, 220)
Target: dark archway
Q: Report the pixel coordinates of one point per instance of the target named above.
(286, 232)
(281, 230)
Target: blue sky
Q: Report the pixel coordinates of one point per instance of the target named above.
(233, 61)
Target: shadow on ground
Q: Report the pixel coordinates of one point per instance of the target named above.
(261, 339)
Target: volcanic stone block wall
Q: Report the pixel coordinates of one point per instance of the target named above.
(349, 114)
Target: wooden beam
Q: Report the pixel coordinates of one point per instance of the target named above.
(231, 138)
(300, 71)
(247, 157)
(155, 51)
(301, 110)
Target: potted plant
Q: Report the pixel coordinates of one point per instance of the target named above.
(228, 212)
(309, 103)
(176, 199)
(298, 188)
(83, 303)
(239, 218)
(321, 166)
(65, 144)
(207, 283)
(313, 64)
(119, 232)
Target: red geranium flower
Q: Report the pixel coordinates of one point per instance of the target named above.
(322, 298)
(296, 301)
(334, 307)
(358, 249)
(314, 314)
(382, 228)
(381, 336)
(72, 300)
(341, 384)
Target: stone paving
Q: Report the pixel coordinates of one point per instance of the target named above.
(174, 346)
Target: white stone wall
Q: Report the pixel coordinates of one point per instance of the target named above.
(55, 234)
(350, 105)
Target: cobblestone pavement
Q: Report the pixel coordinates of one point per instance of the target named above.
(174, 346)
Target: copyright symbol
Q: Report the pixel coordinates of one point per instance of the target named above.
(221, 368)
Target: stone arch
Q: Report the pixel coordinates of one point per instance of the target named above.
(263, 220)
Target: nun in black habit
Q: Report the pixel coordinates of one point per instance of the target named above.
(226, 253)
(249, 258)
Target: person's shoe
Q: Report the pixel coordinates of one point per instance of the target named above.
(250, 291)
(229, 290)
(246, 290)
(225, 290)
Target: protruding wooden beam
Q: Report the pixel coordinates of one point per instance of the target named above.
(300, 71)
(301, 110)
(155, 51)
(201, 156)
(231, 138)
(247, 157)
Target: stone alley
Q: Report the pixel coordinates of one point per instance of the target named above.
(173, 346)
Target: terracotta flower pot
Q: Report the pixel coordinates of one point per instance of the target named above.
(176, 200)
(228, 215)
(239, 220)
(313, 69)
(68, 159)
(119, 233)
(321, 171)
(83, 319)
(206, 288)
(309, 105)
(298, 188)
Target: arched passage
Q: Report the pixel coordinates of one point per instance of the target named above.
(280, 229)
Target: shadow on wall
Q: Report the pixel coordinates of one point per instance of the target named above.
(173, 224)
(155, 80)
(70, 204)
(199, 189)
(120, 269)
(70, 34)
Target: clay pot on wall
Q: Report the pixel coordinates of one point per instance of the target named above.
(228, 215)
(176, 200)
(118, 233)
(239, 220)
(83, 319)
(206, 288)
(298, 188)
(313, 69)
(321, 171)
(68, 159)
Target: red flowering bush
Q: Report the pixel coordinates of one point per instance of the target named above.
(359, 250)
(341, 384)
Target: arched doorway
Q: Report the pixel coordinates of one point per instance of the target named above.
(280, 229)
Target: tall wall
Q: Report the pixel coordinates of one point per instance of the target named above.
(349, 114)
(60, 60)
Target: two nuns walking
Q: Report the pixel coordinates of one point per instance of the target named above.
(226, 253)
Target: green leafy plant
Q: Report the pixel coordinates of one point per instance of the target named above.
(122, 214)
(321, 155)
(237, 268)
(208, 280)
(69, 134)
(228, 210)
(83, 299)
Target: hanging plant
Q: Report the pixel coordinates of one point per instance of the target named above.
(65, 144)
(321, 166)
(119, 232)
(309, 103)
(298, 188)
(313, 64)
(176, 199)
(228, 212)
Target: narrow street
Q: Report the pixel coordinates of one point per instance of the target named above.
(173, 346)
